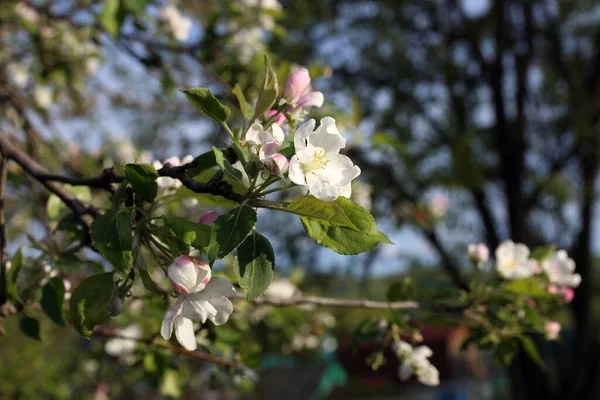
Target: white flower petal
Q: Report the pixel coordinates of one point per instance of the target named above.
(167, 324)
(302, 133)
(198, 308)
(296, 174)
(405, 371)
(311, 99)
(278, 134)
(327, 137)
(184, 331)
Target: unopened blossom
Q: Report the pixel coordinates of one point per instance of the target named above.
(126, 343)
(561, 270)
(567, 294)
(211, 303)
(438, 205)
(277, 164)
(318, 163)
(513, 262)
(299, 95)
(553, 289)
(279, 116)
(552, 330)
(478, 253)
(208, 218)
(179, 24)
(189, 274)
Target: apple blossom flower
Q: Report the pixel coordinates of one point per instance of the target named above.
(282, 288)
(210, 303)
(552, 288)
(189, 274)
(318, 163)
(17, 73)
(43, 96)
(415, 361)
(208, 218)
(279, 116)
(166, 182)
(27, 13)
(91, 65)
(265, 143)
(438, 205)
(478, 253)
(560, 270)
(552, 330)
(125, 344)
(513, 262)
(299, 95)
(246, 42)
(277, 164)
(179, 24)
(567, 294)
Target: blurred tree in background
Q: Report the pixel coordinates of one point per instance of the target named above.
(490, 104)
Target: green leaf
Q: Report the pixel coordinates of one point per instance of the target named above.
(541, 253)
(229, 230)
(203, 162)
(109, 19)
(506, 351)
(287, 148)
(207, 103)
(189, 232)
(53, 296)
(90, 301)
(248, 161)
(256, 262)
(227, 168)
(400, 291)
(326, 212)
(148, 283)
(531, 287)
(532, 351)
(111, 235)
(55, 207)
(344, 240)
(16, 263)
(247, 109)
(268, 91)
(142, 178)
(30, 327)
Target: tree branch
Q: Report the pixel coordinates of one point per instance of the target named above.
(3, 245)
(331, 302)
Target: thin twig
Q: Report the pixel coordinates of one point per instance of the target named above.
(108, 333)
(331, 302)
(3, 245)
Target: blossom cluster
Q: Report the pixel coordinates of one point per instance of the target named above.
(178, 24)
(415, 361)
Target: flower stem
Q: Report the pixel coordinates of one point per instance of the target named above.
(277, 189)
(229, 131)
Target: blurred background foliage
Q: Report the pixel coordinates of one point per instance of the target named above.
(492, 105)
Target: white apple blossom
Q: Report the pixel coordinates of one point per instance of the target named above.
(210, 303)
(189, 274)
(513, 262)
(179, 24)
(166, 182)
(246, 42)
(560, 269)
(318, 163)
(17, 73)
(91, 65)
(438, 205)
(552, 329)
(478, 253)
(27, 13)
(415, 361)
(43, 96)
(125, 344)
(300, 96)
(282, 288)
(264, 143)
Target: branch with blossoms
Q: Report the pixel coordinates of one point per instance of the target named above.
(273, 150)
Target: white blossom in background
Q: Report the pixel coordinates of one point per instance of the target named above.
(265, 19)
(478, 253)
(27, 13)
(282, 288)
(552, 329)
(560, 269)
(166, 182)
(246, 43)
(91, 65)
(125, 345)
(32, 276)
(513, 262)
(179, 24)
(438, 205)
(211, 303)
(42, 96)
(415, 361)
(318, 163)
(325, 318)
(18, 74)
(361, 194)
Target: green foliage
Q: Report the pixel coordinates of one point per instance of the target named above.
(342, 239)
(189, 232)
(245, 107)
(56, 209)
(203, 162)
(16, 264)
(268, 91)
(53, 297)
(534, 287)
(400, 291)
(542, 253)
(226, 167)
(148, 283)
(207, 103)
(229, 230)
(111, 235)
(90, 302)
(326, 213)
(255, 265)
(30, 327)
(142, 178)
(532, 351)
(109, 17)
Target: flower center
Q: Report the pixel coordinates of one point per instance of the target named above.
(319, 160)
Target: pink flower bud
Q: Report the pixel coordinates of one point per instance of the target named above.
(552, 330)
(208, 218)
(479, 252)
(279, 119)
(277, 164)
(189, 274)
(567, 294)
(552, 289)
(438, 205)
(296, 85)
